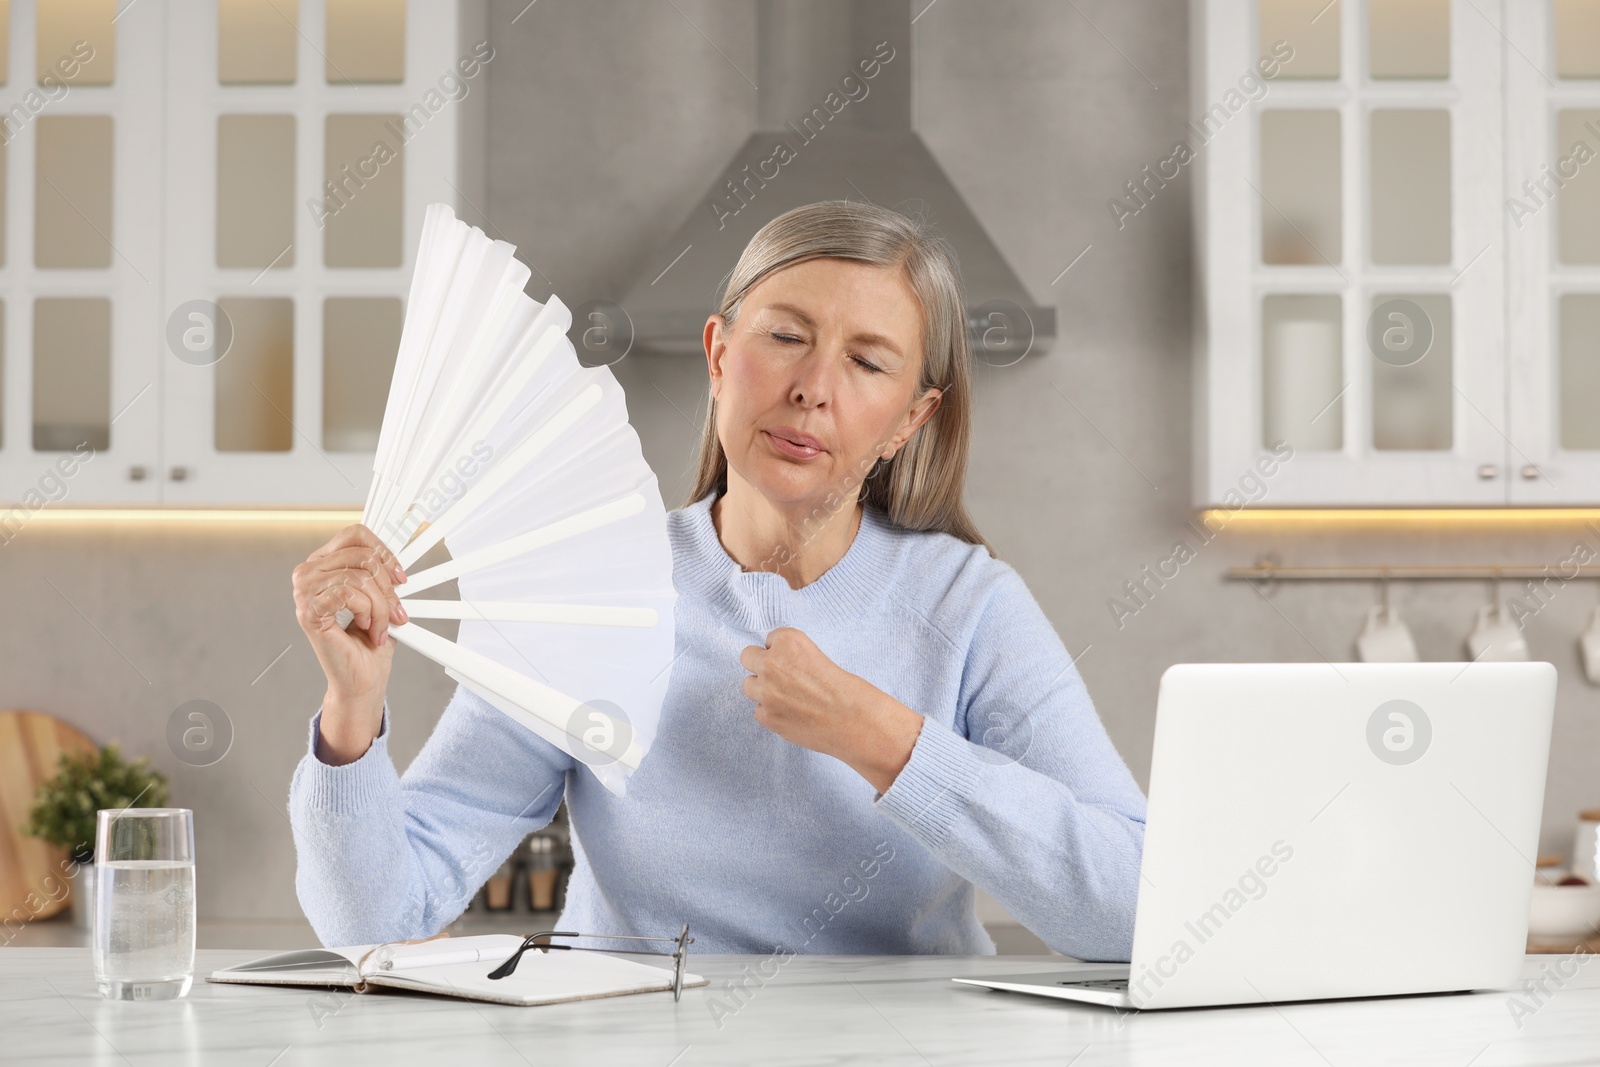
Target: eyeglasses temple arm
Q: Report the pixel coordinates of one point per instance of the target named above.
(510, 965)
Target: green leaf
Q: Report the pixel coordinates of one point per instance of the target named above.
(64, 807)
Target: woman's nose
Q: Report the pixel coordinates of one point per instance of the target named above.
(814, 379)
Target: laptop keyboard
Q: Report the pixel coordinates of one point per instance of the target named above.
(1119, 985)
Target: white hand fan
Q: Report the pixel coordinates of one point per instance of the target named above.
(498, 442)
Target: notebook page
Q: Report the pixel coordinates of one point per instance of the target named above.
(312, 966)
(540, 978)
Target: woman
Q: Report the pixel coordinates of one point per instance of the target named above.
(867, 716)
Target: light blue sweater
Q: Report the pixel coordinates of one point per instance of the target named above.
(758, 844)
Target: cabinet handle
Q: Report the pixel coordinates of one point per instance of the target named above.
(1530, 472)
(1488, 471)
(178, 474)
(137, 474)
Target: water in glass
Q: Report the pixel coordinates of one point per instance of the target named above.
(144, 908)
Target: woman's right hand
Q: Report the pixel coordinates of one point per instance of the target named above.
(353, 571)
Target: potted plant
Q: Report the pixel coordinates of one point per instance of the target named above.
(64, 809)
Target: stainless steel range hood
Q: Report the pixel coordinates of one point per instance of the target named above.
(825, 130)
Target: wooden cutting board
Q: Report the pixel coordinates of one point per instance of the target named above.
(1565, 946)
(30, 744)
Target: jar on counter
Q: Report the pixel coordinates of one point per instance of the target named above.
(1584, 864)
(544, 868)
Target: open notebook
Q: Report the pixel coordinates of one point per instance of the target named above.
(459, 967)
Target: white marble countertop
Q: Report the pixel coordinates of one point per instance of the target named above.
(837, 1010)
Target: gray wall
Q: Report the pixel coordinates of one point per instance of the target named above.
(607, 121)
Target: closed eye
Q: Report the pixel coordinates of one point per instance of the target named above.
(790, 339)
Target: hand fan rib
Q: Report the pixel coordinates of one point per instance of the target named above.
(499, 396)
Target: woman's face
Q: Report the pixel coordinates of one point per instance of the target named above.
(829, 351)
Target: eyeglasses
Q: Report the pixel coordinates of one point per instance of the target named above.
(680, 955)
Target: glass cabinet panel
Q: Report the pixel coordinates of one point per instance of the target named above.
(1577, 38)
(1410, 186)
(1300, 210)
(363, 224)
(1302, 372)
(71, 373)
(257, 41)
(72, 191)
(61, 25)
(1409, 338)
(5, 41)
(360, 336)
(366, 41)
(1408, 38)
(255, 191)
(254, 401)
(1310, 26)
(5, 164)
(1579, 375)
(1578, 197)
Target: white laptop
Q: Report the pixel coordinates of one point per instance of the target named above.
(1331, 830)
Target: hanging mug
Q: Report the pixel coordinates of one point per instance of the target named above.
(1385, 638)
(1495, 636)
(1589, 647)
(1584, 864)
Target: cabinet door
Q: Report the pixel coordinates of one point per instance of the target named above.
(1353, 256)
(1552, 218)
(82, 257)
(300, 160)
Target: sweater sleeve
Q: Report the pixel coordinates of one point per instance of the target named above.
(1027, 798)
(385, 858)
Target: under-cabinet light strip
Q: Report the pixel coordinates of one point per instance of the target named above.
(108, 516)
(1215, 519)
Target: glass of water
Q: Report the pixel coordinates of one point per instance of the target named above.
(144, 903)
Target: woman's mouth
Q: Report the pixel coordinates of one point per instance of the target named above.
(805, 447)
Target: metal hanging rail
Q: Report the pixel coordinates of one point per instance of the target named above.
(1414, 572)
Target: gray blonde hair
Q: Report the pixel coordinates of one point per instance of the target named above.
(920, 488)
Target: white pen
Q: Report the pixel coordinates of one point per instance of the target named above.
(439, 959)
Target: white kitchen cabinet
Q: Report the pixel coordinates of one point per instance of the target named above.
(1375, 167)
(1553, 251)
(81, 280)
(270, 163)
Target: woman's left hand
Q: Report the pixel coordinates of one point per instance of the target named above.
(807, 699)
